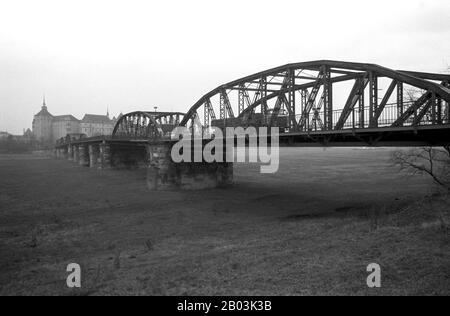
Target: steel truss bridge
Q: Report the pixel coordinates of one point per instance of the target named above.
(316, 103)
(321, 103)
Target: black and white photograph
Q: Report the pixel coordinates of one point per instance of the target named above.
(224, 156)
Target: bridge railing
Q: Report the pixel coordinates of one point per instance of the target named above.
(360, 118)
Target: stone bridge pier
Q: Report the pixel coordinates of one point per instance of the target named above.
(76, 153)
(164, 174)
(83, 155)
(105, 156)
(70, 152)
(153, 158)
(93, 155)
(128, 156)
(61, 153)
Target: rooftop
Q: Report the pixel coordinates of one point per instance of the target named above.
(66, 117)
(44, 112)
(99, 119)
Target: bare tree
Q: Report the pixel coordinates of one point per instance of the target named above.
(431, 161)
(434, 162)
(413, 94)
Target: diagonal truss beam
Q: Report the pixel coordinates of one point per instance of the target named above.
(354, 70)
(291, 112)
(412, 110)
(385, 100)
(260, 94)
(210, 109)
(280, 101)
(424, 111)
(316, 120)
(301, 87)
(353, 98)
(312, 99)
(276, 111)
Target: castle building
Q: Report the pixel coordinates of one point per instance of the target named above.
(47, 128)
(97, 125)
(63, 125)
(42, 125)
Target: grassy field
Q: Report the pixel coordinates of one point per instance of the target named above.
(310, 229)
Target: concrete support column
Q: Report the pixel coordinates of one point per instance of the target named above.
(94, 153)
(76, 154)
(83, 155)
(105, 155)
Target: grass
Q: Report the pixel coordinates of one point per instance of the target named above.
(310, 229)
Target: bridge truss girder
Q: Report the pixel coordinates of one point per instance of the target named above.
(146, 125)
(281, 91)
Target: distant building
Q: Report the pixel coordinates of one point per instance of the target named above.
(27, 136)
(47, 128)
(4, 135)
(97, 125)
(42, 125)
(63, 125)
(27, 133)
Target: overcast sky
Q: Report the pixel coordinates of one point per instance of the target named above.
(134, 55)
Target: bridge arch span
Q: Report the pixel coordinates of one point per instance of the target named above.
(147, 125)
(303, 96)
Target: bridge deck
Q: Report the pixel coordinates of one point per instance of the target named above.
(432, 135)
(384, 136)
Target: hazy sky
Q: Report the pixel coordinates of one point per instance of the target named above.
(134, 55)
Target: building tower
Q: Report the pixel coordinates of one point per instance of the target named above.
(42, 125)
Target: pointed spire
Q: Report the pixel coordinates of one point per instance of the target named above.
(44, 105)
(107, 111)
